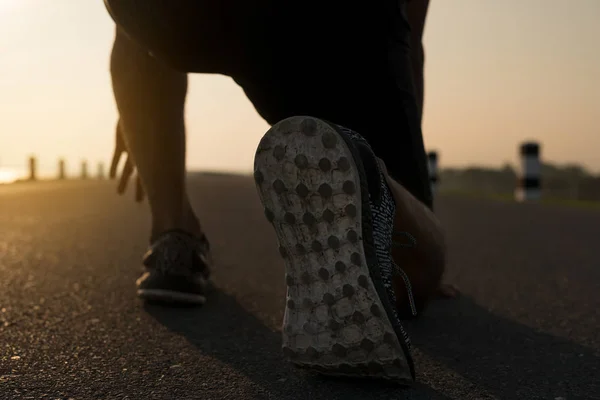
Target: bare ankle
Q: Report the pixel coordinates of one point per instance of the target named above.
(425, 264)
(188, 222)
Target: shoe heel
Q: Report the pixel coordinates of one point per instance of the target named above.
(334, 321)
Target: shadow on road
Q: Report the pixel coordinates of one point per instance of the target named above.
(505, 358)
(225, 330)
(501, 357)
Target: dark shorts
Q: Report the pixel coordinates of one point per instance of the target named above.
(346, 62)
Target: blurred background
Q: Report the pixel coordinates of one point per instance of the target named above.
(497, 74)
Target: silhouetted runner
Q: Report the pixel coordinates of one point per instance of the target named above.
(352, 213)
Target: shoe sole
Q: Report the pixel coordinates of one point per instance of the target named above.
(334, 321)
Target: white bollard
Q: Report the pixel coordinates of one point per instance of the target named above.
(432, 165)
(529, 180)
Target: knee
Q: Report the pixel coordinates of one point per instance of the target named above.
(123, 56)
(127, 58)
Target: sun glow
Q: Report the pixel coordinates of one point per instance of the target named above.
(8, 4)
(8, 175)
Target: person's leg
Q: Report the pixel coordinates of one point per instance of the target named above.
(158, 42)
(424, 264)
(416, 11)
(371, 93)
(407, 175)
(327, 196)
(193, 36)
(143, 86)
(423, 261)
(150, 99)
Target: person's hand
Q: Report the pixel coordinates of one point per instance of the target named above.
(128, 168)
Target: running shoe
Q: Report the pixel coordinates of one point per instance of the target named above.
(324, 193)
(177, 269)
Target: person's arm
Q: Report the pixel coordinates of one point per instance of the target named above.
(417, 13)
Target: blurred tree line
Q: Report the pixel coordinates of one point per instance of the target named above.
(569, 182)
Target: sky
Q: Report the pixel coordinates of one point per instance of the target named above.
(497, 73)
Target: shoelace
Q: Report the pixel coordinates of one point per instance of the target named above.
(412, 242)
(173, 249)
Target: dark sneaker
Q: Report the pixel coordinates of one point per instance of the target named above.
(177, 269)
(333, 213)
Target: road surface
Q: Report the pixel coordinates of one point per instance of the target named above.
(526, 327)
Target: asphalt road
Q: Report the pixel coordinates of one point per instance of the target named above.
(526, 327)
